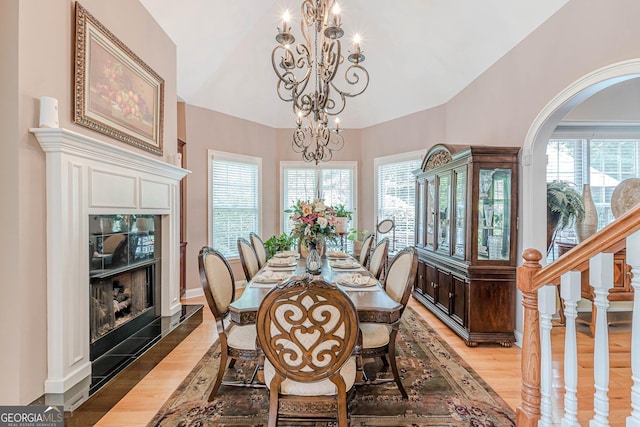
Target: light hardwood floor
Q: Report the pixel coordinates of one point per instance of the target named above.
(498, 366)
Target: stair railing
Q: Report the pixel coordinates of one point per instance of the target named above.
(538, 287)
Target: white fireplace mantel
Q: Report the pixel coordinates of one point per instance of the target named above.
(85, 176)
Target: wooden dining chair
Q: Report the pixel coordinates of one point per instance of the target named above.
(365, 251)
(379, 340)
(258, 247)
(236, 342)
(378, 259)
(248, 259)
(308, 331)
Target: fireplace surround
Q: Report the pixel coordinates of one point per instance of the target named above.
(86, 177)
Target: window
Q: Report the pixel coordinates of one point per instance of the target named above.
(598, 156)
(234, 199)
(395, 195)
(335, 182)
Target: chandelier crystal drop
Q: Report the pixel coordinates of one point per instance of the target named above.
(310, 77)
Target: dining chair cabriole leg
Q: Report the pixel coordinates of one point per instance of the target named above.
(236, 342)
(221, 368)
(394, 364)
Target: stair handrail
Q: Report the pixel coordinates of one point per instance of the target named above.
(531, 276)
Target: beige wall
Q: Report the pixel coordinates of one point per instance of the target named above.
(501, 104)
(497, 108)
(43, 59)
(17, 309)
(210, 130)
(410, 133)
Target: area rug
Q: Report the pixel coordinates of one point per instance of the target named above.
(443, 391)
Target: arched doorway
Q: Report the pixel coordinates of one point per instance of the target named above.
(533, 174)
(533, 194)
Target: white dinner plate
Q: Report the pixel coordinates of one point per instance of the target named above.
(345, 265)
(271, 277)
(356, 281)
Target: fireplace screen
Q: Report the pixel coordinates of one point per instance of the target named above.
(122, 263)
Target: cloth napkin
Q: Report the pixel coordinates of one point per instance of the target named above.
(281, 262)
(361, 289)
(269, 276)
(283, 268)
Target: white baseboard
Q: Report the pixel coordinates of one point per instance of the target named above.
(197, 292)
(193, 293)
(518, 335)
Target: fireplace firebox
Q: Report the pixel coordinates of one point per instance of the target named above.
(123, 277)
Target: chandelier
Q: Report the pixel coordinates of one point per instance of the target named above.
(307, 74)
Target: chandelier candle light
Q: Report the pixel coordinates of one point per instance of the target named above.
(317, 60)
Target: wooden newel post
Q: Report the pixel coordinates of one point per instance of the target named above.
(528, 413)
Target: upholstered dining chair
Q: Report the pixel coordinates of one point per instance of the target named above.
(308, 331)
(248, 258)
(379, 340)
(258, 246)
(378, 259)
(365, 251)
(236, 342)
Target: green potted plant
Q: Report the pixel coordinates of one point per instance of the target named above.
(564, 207)
(275, 244)
(357, 236)
(342, 215)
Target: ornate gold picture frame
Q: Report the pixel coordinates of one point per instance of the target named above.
(116, 93)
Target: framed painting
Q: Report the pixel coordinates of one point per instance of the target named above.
(116, 93)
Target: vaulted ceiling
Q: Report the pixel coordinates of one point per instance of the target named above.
(419, 53)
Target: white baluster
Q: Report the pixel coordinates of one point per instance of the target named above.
(601, 278)
(546, 308)
(633, 259)
(570, 291)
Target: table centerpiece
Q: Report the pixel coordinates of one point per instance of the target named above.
(314, 225)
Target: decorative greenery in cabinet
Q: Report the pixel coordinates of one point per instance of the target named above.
(466, 236)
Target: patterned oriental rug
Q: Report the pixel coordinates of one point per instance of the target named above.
(443, 391)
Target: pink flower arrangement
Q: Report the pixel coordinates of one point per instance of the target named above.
(313, 220)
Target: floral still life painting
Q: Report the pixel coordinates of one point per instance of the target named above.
(115, 92)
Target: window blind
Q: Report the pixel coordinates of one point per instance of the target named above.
(395, 193)
(336, 185)
(235, 195)
(610, 161)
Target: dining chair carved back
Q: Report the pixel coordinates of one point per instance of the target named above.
(378, 259)
(379, 340)
(248, 258)
(258, 246)
(365, 251)
(236, 342)
(308, 331)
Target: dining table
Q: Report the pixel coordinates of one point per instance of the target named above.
(371, 301)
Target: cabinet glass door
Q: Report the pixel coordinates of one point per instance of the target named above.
(421, 212)
(431, 213)
(460, 211)
(494, 214)
(444, 201)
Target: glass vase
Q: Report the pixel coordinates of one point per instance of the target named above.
(314, 261)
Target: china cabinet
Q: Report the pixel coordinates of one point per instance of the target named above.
(466, 231)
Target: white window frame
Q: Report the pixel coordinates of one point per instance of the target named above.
(384, 160)
(353, 165)
(232, 157)
(593, 130)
